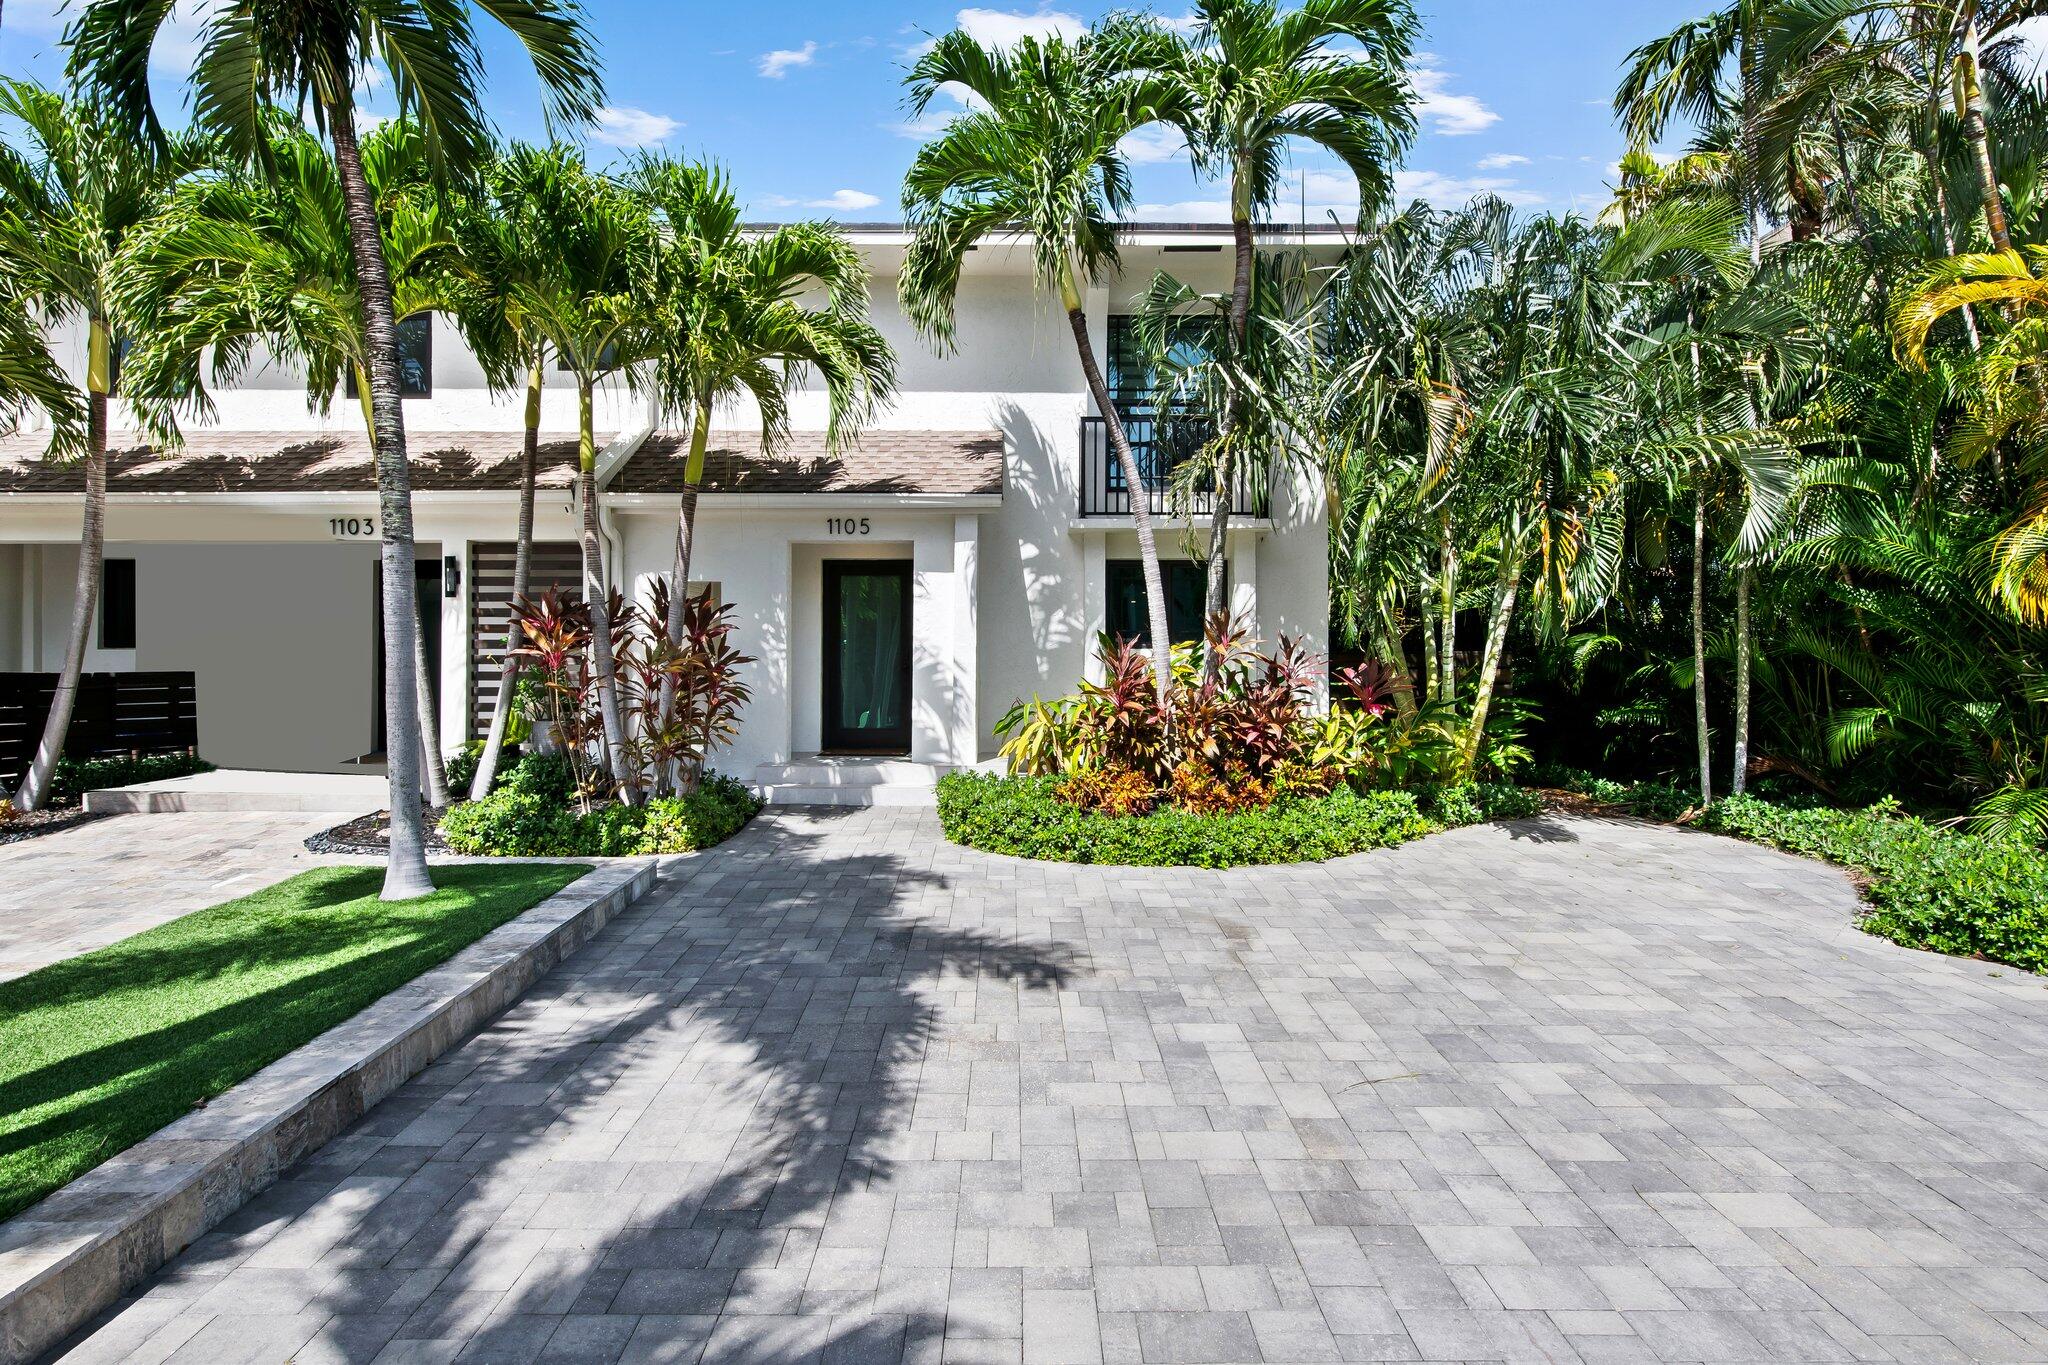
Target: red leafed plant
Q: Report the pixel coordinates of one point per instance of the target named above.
(554, 636)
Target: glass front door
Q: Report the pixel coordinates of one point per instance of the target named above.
(867, 656)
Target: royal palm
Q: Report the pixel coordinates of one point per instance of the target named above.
(1037, 162)
(1253, 80)
(313, 55)
(737, 326)
(71, 196)
(240, 261)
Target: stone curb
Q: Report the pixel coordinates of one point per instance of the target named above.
(66, 1259)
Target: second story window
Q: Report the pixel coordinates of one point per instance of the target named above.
(415, 358)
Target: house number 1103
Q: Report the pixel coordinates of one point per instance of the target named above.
(846, 526)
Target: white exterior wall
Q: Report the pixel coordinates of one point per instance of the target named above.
(254, 593)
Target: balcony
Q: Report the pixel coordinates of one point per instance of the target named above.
(1106, 493)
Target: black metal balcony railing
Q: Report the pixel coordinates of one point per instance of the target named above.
(1159, 448)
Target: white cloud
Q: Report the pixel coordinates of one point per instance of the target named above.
(932, 122)
(1449, 114)
(1153, 144)
(1450, 191)
(774, 64)
(1500, 161)
(839, 201)
(618, 126)
(1185, 211)
(1002, 28)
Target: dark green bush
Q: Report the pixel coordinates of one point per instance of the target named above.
(1021, 816)
(1928, 887)
(532, 814)
(76, 776)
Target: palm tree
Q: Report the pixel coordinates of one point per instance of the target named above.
(236, 260)
(70, 199)
(2007, 403)
(1253, 80)
(501, 245)
(737, 327)
(593, 299)
(313, 56)
(32, 381)
(1038, 161)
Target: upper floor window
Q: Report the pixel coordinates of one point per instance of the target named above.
(1132, 378)
(415, 358)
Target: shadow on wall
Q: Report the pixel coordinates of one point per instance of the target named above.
(1033, 569)
(760, 1053)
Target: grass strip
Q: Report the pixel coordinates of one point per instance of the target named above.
(99, 1051)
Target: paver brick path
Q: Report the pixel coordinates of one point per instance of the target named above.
(82, 888)
(1579, 1090)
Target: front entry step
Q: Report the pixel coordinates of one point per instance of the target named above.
(825, 780)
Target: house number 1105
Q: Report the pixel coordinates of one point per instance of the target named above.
(846, 526)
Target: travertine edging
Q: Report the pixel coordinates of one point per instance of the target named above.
(65, 1259)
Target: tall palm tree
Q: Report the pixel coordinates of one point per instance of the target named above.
(1038, 161)
(238, 260)
(71, 196)
(737, 326)
(505, 251)
(593, 299)
(2007, 403)
(1254, 79)
(313, 55)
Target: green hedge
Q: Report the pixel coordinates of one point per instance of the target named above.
(1022, 817)
(76, 776)
(532, 814)
(1928, 887)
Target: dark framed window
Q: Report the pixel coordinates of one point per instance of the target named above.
(117, 604)
(115, 355)
(1131, 377)
(415, 359)
(1187, 583)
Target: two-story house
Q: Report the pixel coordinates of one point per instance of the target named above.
(898, 598)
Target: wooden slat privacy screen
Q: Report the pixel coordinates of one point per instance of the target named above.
(556, 564)
(115, 714)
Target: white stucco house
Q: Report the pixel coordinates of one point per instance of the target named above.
(898, 598)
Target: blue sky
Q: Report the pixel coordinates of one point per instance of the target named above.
(802, 99)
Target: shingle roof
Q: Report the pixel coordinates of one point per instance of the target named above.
(956, 463)
(291, 462)
(936, 462)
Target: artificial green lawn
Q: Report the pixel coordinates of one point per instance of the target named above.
(99, 1051)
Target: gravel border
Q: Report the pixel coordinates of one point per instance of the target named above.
(66, 1259)
(25, 827)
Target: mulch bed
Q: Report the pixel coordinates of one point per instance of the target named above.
(50, 820)
(371, 834)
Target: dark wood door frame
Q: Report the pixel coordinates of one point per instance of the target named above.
(833, 738)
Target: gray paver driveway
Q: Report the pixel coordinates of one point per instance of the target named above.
(838, 1091)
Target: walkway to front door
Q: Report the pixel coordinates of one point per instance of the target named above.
(838, 1090)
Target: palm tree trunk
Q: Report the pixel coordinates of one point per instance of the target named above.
(597, 596)
(1226, 474)
(436, 768)
(1141, 515)
(686, 540)
(1432, 676)
(1496, 647)
(1970, 109)
(405, 872)
(1447, 586)
(522, 562)
(1740, 778)
(1699, 642)
(35, 784)
(1387, 642)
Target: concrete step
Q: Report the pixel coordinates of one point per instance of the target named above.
(850, 772)
(230, 790)
(825, 780)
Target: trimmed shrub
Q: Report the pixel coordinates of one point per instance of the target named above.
(76, 776)
(1928, 887)
(1025, 817)
(531, 814)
